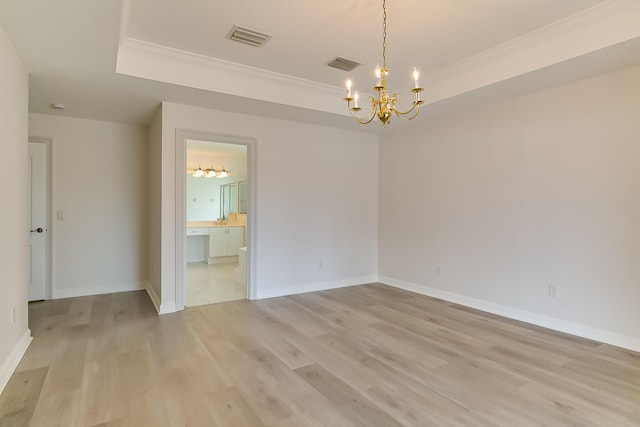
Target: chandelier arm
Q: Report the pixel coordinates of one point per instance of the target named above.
(402, 115)
(363, 120)
(410, 118)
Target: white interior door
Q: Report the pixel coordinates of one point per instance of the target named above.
(38, 222)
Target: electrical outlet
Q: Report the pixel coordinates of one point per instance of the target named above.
(553, 291)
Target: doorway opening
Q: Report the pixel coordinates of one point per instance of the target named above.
(217, 204)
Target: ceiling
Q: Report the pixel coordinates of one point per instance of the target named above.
(117, 60)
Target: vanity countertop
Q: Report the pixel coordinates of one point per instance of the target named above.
(209, 224)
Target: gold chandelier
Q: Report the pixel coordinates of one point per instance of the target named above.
(384, 105)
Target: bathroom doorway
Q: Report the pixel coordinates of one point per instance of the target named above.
(216, 222)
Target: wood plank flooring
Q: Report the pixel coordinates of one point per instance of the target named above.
(366, 356)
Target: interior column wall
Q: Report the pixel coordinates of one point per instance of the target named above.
(316, 206)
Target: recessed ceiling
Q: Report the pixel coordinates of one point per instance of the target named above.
(73, 48)
(429, 34)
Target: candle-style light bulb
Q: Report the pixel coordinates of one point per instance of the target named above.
(355, 99)
(349, 88)
(415, 78)
(378, 76)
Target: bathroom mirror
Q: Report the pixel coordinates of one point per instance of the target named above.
(228, 199)
(243, 197)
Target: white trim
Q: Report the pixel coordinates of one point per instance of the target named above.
(182, 136)
(601, 26)
(10, 365)
(167, 308)
(125, 14)
(252, 220)
(181, 220)
(608, 337)
(314, 287)
(147, 60)
(604, 25)
(155, 299)
(99, 290)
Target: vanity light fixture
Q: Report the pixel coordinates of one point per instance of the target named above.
(208, 173)
(199, 172)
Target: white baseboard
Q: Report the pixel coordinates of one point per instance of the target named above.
(98, 290)
(155, 299)
(608, 337)
(10, 365)
(313, 287)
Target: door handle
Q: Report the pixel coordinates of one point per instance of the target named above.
(37, 230)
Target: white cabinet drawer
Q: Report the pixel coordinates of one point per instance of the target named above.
(197, 231)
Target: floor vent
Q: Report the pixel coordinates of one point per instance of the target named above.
(343, 64)
(248, 36)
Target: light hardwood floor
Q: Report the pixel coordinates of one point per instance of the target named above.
(362, 356)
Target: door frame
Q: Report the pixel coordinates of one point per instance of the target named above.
(48, 142)
(182, 136)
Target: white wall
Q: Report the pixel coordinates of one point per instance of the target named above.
(14, 334)
(203, 197)
(507, 199)
(316, 200)
(100, 183)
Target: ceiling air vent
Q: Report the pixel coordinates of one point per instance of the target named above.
(247, 36)
(343, 64)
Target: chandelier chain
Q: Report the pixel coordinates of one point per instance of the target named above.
(384, 34)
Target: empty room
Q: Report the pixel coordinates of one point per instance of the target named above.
(340, 213)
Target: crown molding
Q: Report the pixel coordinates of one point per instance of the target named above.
(602, 26)
(125, 13)
(151, 61)
(608, 24)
